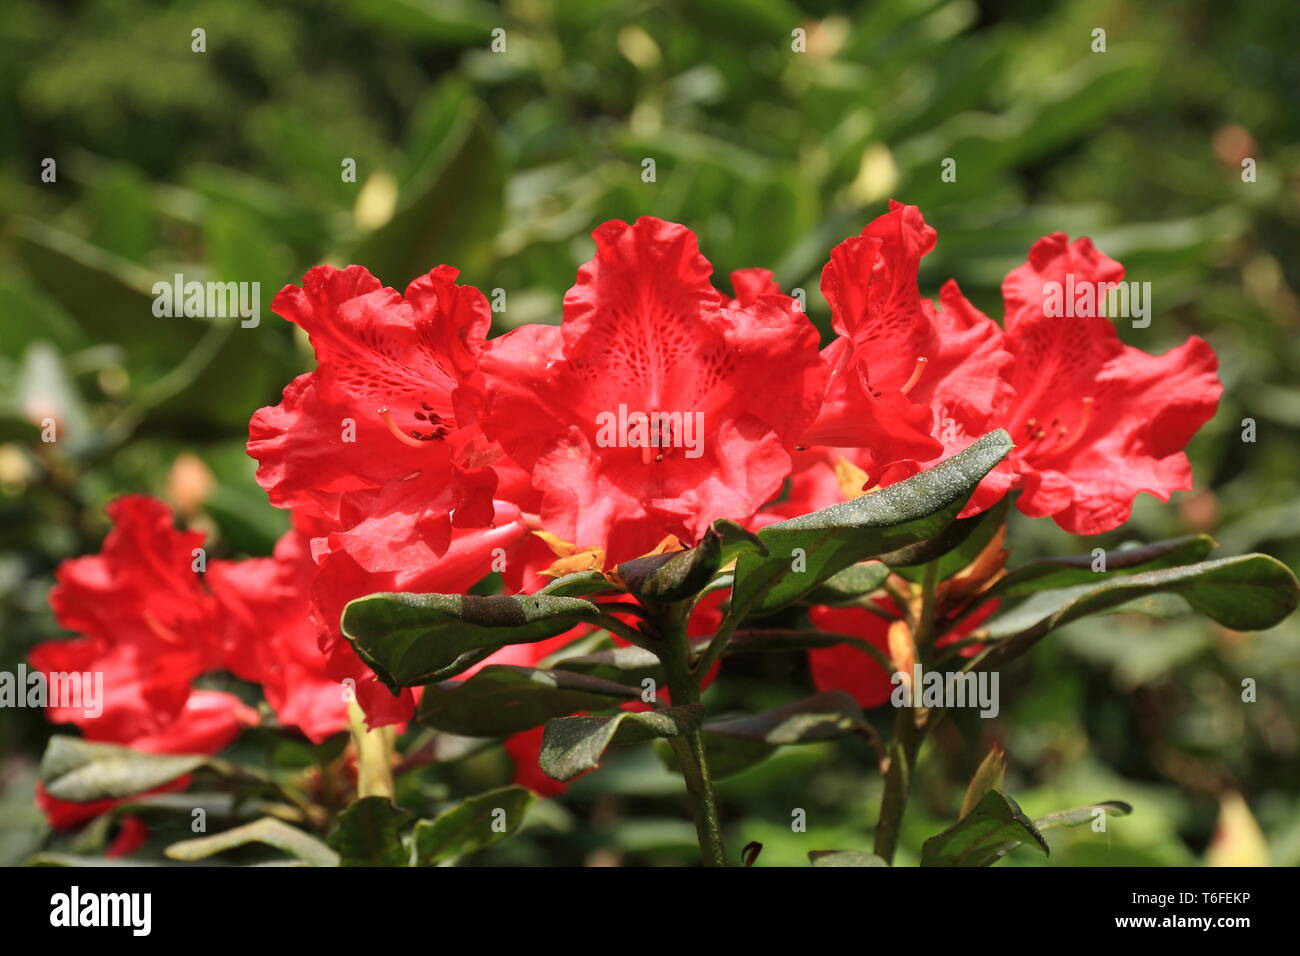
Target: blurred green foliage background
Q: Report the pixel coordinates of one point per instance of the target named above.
(227, 165)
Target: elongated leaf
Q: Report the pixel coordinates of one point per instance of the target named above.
(50, 858)
(471, 825)
(954, 547)
(503, 699)
(850, 585)
(1081, 815)
(1068, 818)
(369, 833)
(1052, 573)
(976, 533)
(270, 831)
(735, 744)
(1246, 593)
(629, 665)
(579, 584)
(571, 745)
(677, 575)
(844, 858)
(79, 770)
(981, 837)
(415, 639)
(822, 716)
(828, 541)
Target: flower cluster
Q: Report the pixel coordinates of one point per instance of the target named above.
(420, 455)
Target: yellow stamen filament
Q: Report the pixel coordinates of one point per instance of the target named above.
(400, 435)
(917, 372)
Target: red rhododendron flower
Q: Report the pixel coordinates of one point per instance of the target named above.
(1096, 422)
(380, 440)
(340, 578)
(659, 405)
(925, 371)
(149, 626)
(272, 640)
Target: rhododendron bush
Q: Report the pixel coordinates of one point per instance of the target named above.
(555, 538)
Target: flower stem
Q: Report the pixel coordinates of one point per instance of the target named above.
(909, 733)
(374, 749)
(692, 757)
(898, 783)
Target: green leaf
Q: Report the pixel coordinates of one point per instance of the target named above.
(677, 575)
(578, 584)
(270, 831)
(1067, 818)
(831, 540)
(1081, 815)
(844, 858)
(571, 745)
(981, 837)
(414, 639)
(953, 548)
(629, 664)
(369, 833)
(503, 699)
(735, 744)
(1052, 573)
(50, 858)
(850, 585)
(1246, 593)
(79, 770)
(471, 825)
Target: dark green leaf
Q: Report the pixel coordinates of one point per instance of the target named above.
(503, 699)
(830, 540)
(578, 584)
(1246, 593)
(415, 639)
(629, 664)
(571, 745)
(79, 770)
(953, 548)
(268, 830)
(981, 837)
(1052, 573)
(677, 575)
(369, 833)
(1081, 815)
(844, 858)
(471, 825)
(850, 585)
(1068, 818)
(735, 744)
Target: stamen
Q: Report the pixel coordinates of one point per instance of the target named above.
(917, 372)
(400, 435)
(1084, 420)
